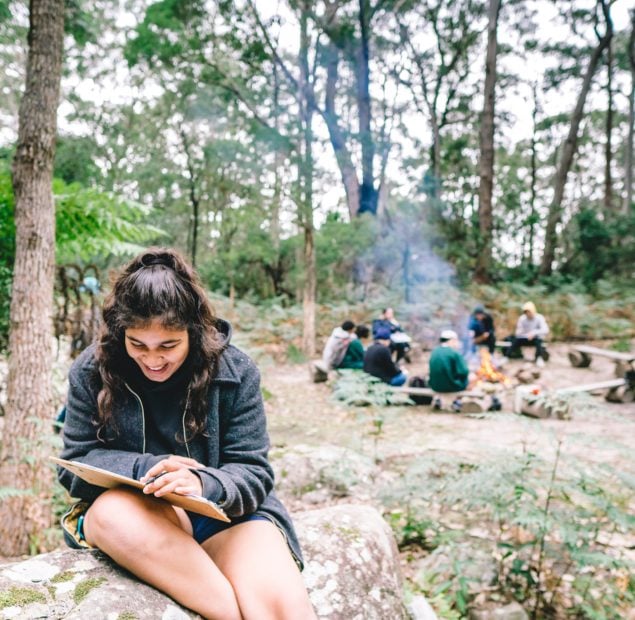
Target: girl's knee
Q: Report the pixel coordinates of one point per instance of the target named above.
(120, 516)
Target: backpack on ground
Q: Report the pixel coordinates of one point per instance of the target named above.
(419, 399)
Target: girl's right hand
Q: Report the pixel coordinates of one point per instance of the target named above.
(173, 474)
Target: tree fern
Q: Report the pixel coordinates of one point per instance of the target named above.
(92, 223)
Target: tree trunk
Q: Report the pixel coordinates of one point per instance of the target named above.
(194, 199)
(276, 201)
(485, 218)
(569, 149)
(338, 142)
(306, 197)
(628, 159)
(608, 153)
(25, 515)
(368, 197)
(534, 179)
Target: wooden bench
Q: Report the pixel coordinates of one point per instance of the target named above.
(471, 403)
(580, 356)
(619, 390)
(430, 392)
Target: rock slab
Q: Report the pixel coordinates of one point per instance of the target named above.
(352, 573)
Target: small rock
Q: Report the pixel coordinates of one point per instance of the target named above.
(419, 609)
(512, 611)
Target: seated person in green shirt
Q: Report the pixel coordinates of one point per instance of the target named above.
(354, 356)
(448, 370)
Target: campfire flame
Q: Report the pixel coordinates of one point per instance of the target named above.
(488, 373)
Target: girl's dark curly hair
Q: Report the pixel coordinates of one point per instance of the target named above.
(160, 285)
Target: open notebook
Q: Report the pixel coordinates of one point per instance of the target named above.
(107, 479)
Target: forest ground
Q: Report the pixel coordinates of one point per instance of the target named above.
(300, 411)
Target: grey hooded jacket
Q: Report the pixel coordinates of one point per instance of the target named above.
(235, 447)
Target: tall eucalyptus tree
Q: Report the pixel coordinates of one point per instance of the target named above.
(602, 15)
(23, 514)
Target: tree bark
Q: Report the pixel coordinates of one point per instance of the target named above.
(368, 192)
(608, 152)
(306, 177)
(276, 201)
(534, 179)
(194, 199)
(25, 515)
(628, 159)
(569, 149)
(338, 141)
(485, 216)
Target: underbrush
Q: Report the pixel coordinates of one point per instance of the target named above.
(552, 535)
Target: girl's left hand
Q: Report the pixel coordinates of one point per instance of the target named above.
(173, 475)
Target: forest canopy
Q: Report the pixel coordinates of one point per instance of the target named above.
(363, 146)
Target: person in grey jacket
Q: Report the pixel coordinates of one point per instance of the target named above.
(163, 397)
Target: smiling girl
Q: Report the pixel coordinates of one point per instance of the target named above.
(163, 395)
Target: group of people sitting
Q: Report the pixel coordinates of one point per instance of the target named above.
(346, 348)
(448, 368)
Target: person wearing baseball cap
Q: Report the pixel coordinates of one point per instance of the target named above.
(448, 369)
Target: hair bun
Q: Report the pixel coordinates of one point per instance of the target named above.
(164, 259)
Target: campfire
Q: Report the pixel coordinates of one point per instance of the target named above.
(488, 373)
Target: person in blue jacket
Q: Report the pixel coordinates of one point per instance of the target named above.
(164, 398)
(481, 328)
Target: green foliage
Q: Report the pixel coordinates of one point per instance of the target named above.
(92, 223)
(75, 160)
(80, 22)
(357, 388)
(602, 246)
(548, 522)
(168, 16)
(571, 311)
(295, 355)
(89, 223)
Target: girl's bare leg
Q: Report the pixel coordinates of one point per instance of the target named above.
(255, 559)
(146, 536)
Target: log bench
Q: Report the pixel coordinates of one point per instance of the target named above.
(470, 404)
(580, 356)
(619, 390)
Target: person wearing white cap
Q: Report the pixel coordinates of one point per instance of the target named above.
(531, 330)
(448, 370)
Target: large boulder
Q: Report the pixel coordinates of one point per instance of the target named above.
(318, 475)
(352, 573)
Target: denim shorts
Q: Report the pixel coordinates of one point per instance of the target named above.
(204, 527)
